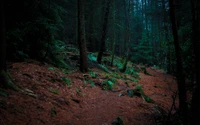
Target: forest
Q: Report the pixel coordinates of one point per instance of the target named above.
(64, 61)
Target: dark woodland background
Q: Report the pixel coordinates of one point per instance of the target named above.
(161, 33)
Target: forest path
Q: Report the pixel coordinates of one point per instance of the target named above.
(45, 100)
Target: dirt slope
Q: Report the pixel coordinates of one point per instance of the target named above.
(44, 99)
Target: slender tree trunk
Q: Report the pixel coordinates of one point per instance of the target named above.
(196, 46)
(90, 35)
(104, 30)
(180, 76)
(128, 38)
(81, 37)
(166, 33)
(2, 39)
(126, 29)
(114, 39)
(146, 19)
(5, 79)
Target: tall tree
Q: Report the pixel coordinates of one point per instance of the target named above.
(196, 45)
(128, 35)
(126, 27)
(180, 76)
(2, 39)
(5, 79)
(104, 31)
(114, 35)
(81, 37)
(166, 34)
(90, 35)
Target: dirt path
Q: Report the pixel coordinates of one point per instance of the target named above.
(45, 100)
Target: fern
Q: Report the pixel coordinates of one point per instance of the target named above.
(108, 85)
(66, 81)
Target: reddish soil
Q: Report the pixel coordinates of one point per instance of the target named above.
(44, 99)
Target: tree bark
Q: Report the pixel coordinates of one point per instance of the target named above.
(127, 37)
(5, 79)
(81, 37)
(2, 39)
(180, 76)
(195, 109)
(126, 29)
(114, 36)
(104, 30)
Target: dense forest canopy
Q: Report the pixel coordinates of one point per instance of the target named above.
(137, 30)
(48, 24)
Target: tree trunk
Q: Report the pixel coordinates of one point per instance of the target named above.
(114, 39)
(196, 46)
(81, 37)
(128, 38)
(2, 39)
(104, 30)
(5, 79)
(90, 36)
(126, 29)
(180, 76)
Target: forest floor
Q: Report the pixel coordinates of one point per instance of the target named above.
(45, 99)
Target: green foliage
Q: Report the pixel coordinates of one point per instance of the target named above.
(59, 62)
(146, 98)
(109, 84)
(87, 80)
(119, 64)
(66, 81)
(55, 91)
(92, 57)
(136, 75)
(143, 51)
(107, 75)
(93, 74)
(134, 80)
(139, 88)
(113, 79)
(91, 83)
(129, 71)
(77, 90)
(65, 71)
(57, 57)
(53, 111)
(118, 121)
(38, 35)
(51, 68)
(116, 75)
(130, 92)
(145, 70)
(104, 68)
